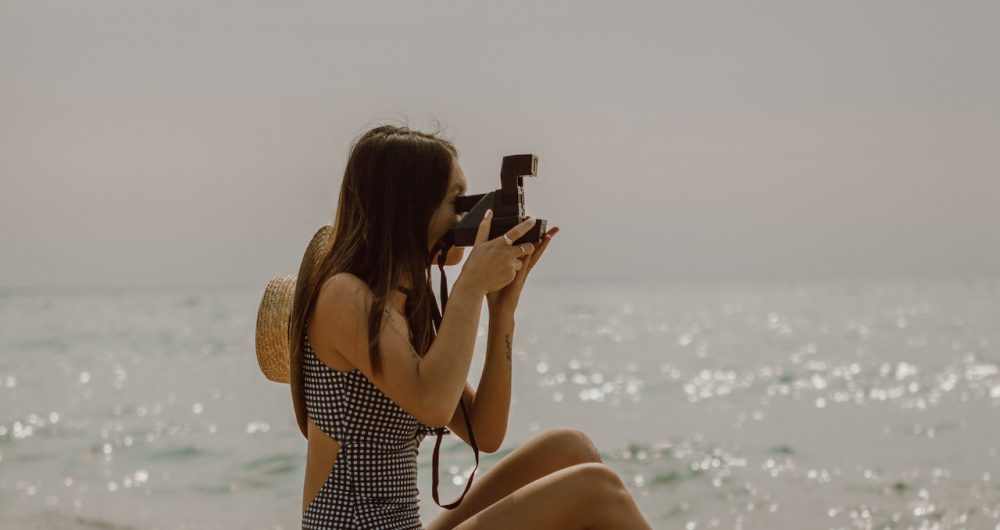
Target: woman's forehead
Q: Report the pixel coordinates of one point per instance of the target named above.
(458, 178)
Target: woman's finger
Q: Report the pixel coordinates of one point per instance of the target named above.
(483, 232)
(528, 248)
(523, 273)
(521, 228)
(537, 254)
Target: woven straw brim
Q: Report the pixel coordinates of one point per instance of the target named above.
(273, 352)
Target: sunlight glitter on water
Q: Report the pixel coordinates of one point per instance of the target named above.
(730, 406)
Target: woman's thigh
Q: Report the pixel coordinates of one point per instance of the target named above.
(546, 453)
(571, 498)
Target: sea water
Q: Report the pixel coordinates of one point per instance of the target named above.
(770, 405)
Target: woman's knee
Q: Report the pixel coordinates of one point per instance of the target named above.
(574, 444)
(598, 484)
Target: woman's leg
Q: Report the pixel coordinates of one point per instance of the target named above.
(550, 451)
(582, 497)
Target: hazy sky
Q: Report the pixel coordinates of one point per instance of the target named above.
(202, 143)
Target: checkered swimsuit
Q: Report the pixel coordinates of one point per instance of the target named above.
(373, 483)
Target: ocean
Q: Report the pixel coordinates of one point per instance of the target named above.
(840, 405)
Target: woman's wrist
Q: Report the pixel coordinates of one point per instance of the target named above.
(502, 318)
(463, 285)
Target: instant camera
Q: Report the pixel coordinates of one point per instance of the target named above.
(507, 204)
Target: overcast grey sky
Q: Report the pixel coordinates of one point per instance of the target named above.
(202, 143)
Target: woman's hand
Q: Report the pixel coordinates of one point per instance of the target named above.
(492, 263)
(502, 302)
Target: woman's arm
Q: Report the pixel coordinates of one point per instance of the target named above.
(444, 369)
(427, 387)
(489, 405)
(492, 399)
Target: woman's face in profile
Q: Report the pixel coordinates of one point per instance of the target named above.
(445, 218)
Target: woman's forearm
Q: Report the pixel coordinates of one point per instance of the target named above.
(444, 369)
(491, 405)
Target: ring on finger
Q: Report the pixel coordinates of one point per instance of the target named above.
(508, 240)
(522, 250)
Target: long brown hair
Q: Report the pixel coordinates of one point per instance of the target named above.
(394, 181)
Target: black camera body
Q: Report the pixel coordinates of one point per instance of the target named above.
(507, 204)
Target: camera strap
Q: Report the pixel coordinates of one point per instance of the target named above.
(436, 316)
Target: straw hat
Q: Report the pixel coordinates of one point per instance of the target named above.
(273, 352)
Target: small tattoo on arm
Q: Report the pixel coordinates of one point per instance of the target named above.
(507, 340)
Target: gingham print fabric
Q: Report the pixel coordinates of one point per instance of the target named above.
(373, 483)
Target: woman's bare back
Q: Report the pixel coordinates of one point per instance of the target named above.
(322, 448)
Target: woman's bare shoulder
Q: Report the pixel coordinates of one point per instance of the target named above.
(337, 318)
(343, 283)
(347, 292)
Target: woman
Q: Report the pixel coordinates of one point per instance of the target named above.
(370, 378)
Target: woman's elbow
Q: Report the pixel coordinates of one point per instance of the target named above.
(491, 445)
